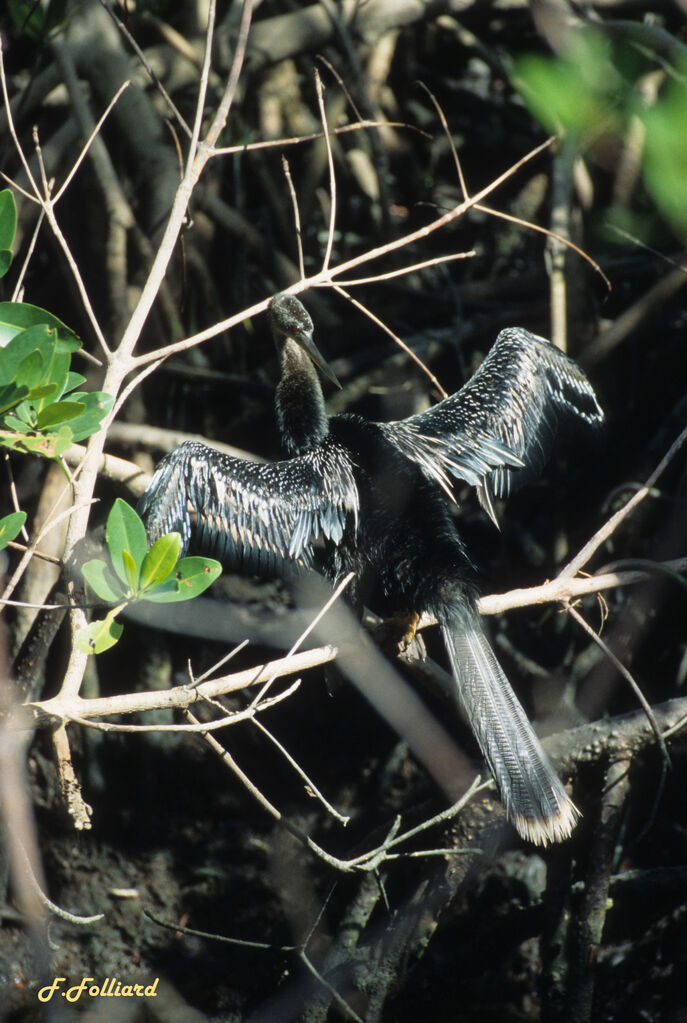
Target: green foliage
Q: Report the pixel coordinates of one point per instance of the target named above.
(137, 573)
(665, 160)
(579, 95)
(10, 526)
(591, 93)
(39, 21)
(8, 227)
(35, 378)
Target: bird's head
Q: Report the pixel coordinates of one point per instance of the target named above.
(290, 320)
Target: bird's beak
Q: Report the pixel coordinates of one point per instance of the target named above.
(308, 345)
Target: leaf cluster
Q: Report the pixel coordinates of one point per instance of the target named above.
(137, 573)
(42, 410)
(592, 94)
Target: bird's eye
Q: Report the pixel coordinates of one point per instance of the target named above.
(295, 329)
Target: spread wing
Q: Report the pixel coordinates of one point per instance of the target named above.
(496, 432)
(256, 518)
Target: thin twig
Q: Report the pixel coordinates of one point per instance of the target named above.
(146, 64)
(319, 87)
(52, 907)
(29, 252)
(88, 143)
(327, 278)
(310, 784)
(626, 675)
(296, 214)
(609, 527)
(387, 330)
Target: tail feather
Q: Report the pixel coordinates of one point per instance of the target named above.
(532, 793)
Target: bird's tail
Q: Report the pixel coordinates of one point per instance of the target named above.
(532, 793)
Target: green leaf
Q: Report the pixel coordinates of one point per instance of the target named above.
(125, 532)
(160, 560)
(11, 525)
(102, 581)
(8, 219)
(99, 636)
(60, 412)
(131, 569)
(97, 405)
(27, 16)
(11, 396)
(25, 413)
(55, 15)
(5, 261)
(14, 350)
(581, 94)
(30, 371)
(42, 391)
(14, 425)
(191, 577)
(50, 445)
(18, 316)
(73, 380)
(665, 161)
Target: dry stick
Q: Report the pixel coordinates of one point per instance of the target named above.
(411, 269)
(195, 682)
(121, 362)
(272, 810)
(368, 861)
(111, 467)
(566, 588)
(609, 527)
(340, 1001)
(345, 582)
(65, 707)
(263, 946)
(387, 330)
(296, 215)
(36, 554)
(73, 708)
(588, 921)
(78, 808)
(47, 203)
(566, 242)
(629, 320)
(234, 718)
(561, 239)
(626, 675)
(27, 258)
(146, 64)
(319, 87)
(52, 907)
(379, 156)
(342, 818)
(314, 136)
(326, 279)
(561, 189)
(69, 72)
(48, 525)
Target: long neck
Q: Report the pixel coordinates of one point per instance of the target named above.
(301, 415)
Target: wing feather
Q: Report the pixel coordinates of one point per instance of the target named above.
(496, 432)
(259, 518)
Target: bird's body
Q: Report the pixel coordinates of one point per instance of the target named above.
(380, 496)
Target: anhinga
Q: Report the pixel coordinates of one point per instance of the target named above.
(380, 496)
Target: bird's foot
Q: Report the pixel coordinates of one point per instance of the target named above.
(396, 633)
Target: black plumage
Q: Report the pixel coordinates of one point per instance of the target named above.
(380, 495)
